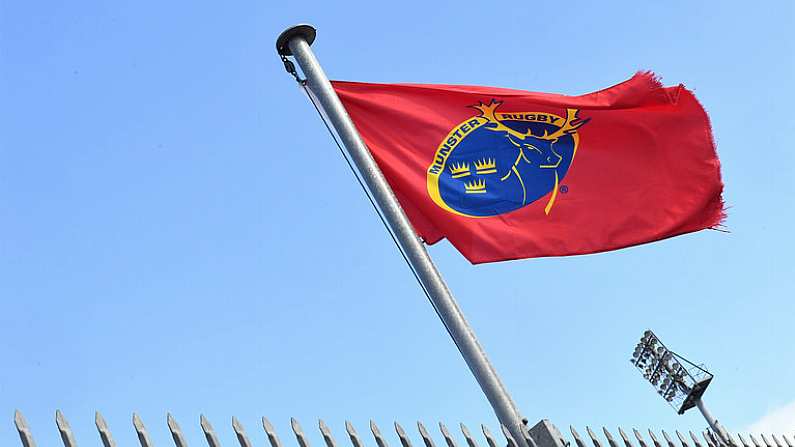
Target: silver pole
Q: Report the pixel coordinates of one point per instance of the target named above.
(714, 424)
(296, 41)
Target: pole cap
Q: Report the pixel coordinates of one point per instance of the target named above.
(304, 30)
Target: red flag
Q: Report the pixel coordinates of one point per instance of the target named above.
(507, 174)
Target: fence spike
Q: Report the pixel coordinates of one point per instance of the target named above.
(756, 443)
(593, 437)
(404, 439)
(720, 442)
(654, 439)
(353, 435)
(668, 439)
(143, 436)
(299, 433)
(609, 437)
(708, 439)
(273, 438)
(176, 432)
(778, 444)
(446, 434)
(377, 435)
(743, 441)
(786, 439)
(426, 438)
(625, 438)
(66, 431)
(681, 439)
(508, 436)
(767, 443)
(326, 432)
(695, 439)
(468, 436)
(209, 433)
(577, 439)
(240, 433)
(489, 437)
(640, 439)
(104, 431)
(24, 431)
(730, 439)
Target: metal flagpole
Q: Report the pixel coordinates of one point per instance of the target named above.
(714, 424)
(296, 41)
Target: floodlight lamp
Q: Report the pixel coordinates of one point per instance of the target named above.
(681, 386)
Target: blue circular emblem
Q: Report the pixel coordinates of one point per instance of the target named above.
(495, 162)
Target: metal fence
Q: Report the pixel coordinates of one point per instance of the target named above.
(707, 439)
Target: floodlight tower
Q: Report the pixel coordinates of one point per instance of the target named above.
(679, 381)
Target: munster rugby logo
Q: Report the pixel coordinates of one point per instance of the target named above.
(496, 162)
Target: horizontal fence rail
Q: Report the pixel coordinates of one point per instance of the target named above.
(690, 439)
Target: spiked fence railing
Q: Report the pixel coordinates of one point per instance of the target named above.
(709, 440)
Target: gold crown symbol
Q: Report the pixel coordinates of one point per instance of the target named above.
(475, 187)
(459, 169)
(486, 166)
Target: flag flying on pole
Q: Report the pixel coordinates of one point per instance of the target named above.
(508, 174)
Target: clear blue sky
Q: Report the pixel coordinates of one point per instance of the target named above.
(178, 232)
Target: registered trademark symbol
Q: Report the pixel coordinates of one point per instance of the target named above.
(564, 189)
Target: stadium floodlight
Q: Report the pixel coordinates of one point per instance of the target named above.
(680, 382)
(677, 380)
